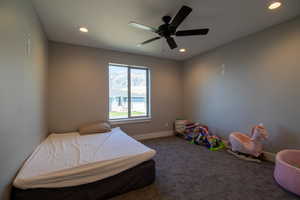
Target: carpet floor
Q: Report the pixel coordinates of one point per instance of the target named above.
(191, 172)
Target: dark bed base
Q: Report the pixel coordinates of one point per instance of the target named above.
(131, 179)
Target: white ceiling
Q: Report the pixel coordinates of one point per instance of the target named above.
(107, 22)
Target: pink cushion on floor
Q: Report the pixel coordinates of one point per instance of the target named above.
(287, 170)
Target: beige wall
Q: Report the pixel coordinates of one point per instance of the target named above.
(22, 87)
(78, 88)
(260, 84)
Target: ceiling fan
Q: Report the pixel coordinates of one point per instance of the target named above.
(169, 28)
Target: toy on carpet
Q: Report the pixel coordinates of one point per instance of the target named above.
(199, 134)
(248, 147)
(287, 170)
(212, 142)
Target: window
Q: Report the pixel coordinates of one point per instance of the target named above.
(128, 92)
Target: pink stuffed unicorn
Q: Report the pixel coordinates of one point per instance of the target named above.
(250, 145)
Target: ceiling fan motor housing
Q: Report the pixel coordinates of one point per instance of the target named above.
(165, 30)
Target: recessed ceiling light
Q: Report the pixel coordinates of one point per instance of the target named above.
(274, 5)
(182, 50)
(83, 29)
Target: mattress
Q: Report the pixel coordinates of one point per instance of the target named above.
(131, 179)
(65, 160)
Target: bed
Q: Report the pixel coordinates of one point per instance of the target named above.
(95, 166)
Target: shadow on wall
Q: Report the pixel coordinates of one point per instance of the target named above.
(285, 138)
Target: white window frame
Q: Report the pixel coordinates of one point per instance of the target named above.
(132, 119)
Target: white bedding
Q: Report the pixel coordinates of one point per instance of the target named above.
(69, 159)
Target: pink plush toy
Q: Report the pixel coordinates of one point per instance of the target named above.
(250, 145)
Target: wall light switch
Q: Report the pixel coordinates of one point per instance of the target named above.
(28, 45)
(223, 69)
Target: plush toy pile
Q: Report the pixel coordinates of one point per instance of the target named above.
(198, 134)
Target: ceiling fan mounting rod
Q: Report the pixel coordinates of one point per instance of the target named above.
(166, 19)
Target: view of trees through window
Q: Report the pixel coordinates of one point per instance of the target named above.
(128, 92)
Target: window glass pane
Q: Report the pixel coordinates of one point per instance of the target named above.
(138, 92)
(118, 92)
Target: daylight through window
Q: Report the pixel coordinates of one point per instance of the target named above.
(128, 92)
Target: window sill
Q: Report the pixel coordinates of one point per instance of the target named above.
(130, 121)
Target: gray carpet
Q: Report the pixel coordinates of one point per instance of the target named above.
(188, 172)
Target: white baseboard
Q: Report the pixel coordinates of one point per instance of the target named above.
(153, 135)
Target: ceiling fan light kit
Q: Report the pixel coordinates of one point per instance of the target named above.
(169, 29)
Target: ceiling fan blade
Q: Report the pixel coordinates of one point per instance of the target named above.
(142, 26)
(171, 42)
(180, 16)
(192, 32)
(148, 41)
